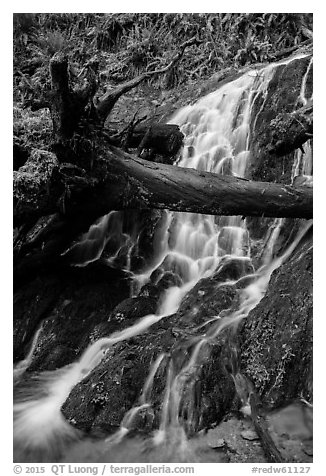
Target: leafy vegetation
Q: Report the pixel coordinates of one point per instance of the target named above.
(128, 44)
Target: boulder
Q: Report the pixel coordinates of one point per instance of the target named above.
(100, 401)
(282, 96)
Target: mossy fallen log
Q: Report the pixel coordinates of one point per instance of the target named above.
(121, 181)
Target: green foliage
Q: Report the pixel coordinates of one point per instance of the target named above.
(138, 42)
(35, 127)
(147, 41)
(128, 44)
(51, 42)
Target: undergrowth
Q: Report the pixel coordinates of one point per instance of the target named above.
(128, 44)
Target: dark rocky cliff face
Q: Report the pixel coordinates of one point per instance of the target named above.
(275, 340)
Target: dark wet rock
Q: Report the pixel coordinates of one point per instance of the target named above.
(276, 337)
(177, 265)
(217, 394)
(33, 303)
(149, 225)
(124, 370)
(69, 306)
(135, 237)
(212, 295)
(205, 301)
(149, 290)
(260, 231)
(91, 406)
(233, 269)
(101, 400)
(258, 227)
(125, 314)
(168, 280)
(164, 279)
(156, 274)
(282, 97)
(288, 232)
(133, 308)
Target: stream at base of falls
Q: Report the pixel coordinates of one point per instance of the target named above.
(190, 247)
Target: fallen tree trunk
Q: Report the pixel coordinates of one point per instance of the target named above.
(128, 182)
(121, 181)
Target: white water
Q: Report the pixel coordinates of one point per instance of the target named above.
(191, 246)
(20, 368)
(91, 245)
(303, 97)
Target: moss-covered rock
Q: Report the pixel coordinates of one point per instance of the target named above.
(282, 96)
(276, 337)
(31, 183)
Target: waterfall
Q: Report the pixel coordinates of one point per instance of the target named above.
(20, 368)
(190, 247)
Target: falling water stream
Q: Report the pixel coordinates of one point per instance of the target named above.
(191, 246)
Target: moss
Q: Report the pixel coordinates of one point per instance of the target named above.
(276, 337)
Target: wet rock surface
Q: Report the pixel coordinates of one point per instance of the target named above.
(212, 295)
(123, 372)
(282, 97)
(133, 238)
(276, 337)
(101, 400)
(68, 309)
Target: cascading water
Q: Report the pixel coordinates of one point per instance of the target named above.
(20, 368)
(191, 247)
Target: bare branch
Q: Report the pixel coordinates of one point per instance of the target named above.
(109, 99)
